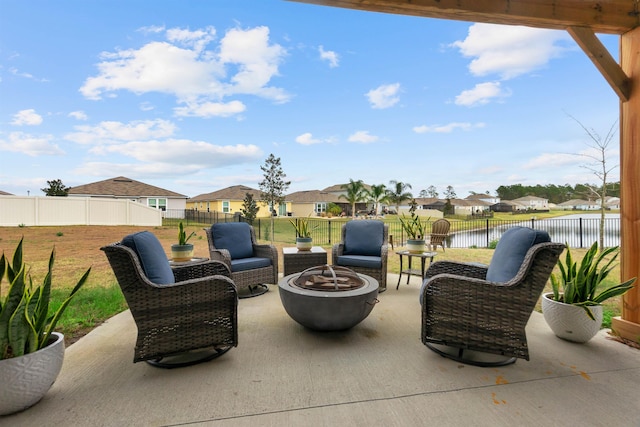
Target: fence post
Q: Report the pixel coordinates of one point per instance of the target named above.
(329, 229)
(487, 231)
(580, 222)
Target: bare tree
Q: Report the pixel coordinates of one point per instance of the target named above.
(599, 167)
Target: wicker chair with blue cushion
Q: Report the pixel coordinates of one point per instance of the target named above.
(364, 249)
(185, 314)
(483, 310)
(252, 266)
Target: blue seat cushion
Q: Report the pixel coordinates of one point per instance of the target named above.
(363, 238)
(234, 237)
(360, 261)
(250, 263)
(152, 257)
(511, 250)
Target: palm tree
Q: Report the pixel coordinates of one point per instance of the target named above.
(397, 193)
(377, 194)
(355, 193)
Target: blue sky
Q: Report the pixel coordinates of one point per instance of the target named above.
(193, 96)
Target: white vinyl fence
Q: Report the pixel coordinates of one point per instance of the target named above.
(32, 211)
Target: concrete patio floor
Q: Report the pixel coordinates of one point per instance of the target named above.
(376, 374)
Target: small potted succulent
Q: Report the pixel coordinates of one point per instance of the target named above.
(182, 251)
(27, 337)
(304, 241)
(415, 230)
(573, 310)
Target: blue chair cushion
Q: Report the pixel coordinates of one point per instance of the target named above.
(250, 263)
(511, 250)
(360, 261)
(234, 237)
(363, 237)
(152, 257)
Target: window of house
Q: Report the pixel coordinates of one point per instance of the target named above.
(225, 206)
(321, 207)
(157, 203)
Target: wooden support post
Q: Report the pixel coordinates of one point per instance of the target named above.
(629, 325)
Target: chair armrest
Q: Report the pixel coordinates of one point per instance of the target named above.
(266, 251)
(463, 269)
(221, 255)
(459, 293)
(336, 251)
(203, 269)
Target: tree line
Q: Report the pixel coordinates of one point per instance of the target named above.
(557, 193)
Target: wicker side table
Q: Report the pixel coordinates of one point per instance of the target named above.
(296, 261)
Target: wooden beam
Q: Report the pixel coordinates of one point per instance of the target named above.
(604, 16)
(600, 56)
(629, 327)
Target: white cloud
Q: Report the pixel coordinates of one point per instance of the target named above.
(448, 128)
(481, 94)
(210, 109)
(110, 132)
(78, 115)
(184, 153)
(307, 139)
(384, 96)
(363, 137)
(509, 51)
(329, 56)
(26, 118)
(20, 142)
(244, 63)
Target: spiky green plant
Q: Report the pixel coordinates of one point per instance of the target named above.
(182, 235)
(302, 228)
(25, 321)
(580, 283)
(413, 226)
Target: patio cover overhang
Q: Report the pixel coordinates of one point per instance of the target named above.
(582, 19)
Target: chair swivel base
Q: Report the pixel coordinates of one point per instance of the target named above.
(253, 291)
(458, 355)
(188, 358)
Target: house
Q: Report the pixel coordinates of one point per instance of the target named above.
(311, 202)
(492, 200)
(579, 205)
(230, 200)
(126, 188)
(338, 190)
(4, 193)
(532, 203)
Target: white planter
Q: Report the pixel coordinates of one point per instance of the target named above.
(415, 246)
(304, 243)
(571, 322)
(26, 379)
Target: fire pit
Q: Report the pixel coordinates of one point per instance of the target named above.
(328, 298)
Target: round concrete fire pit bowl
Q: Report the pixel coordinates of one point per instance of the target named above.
(328, 310)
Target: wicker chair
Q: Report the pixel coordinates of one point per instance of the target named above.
(252, 266)
(439, 231)
(476, 308)
(364, 249)
(185, 319)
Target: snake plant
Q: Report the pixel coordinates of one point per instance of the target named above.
(25, 321)
(578, 284)
(182, 235)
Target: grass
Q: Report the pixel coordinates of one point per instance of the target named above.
(78, 247)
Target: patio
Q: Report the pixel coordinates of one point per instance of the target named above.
(377, 373)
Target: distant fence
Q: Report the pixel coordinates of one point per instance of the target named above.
(41, 211)
(481, 233)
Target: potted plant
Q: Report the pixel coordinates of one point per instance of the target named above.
(31, 353)
(304, 241)
(182, 251)
(573, 310)
(415, 230)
